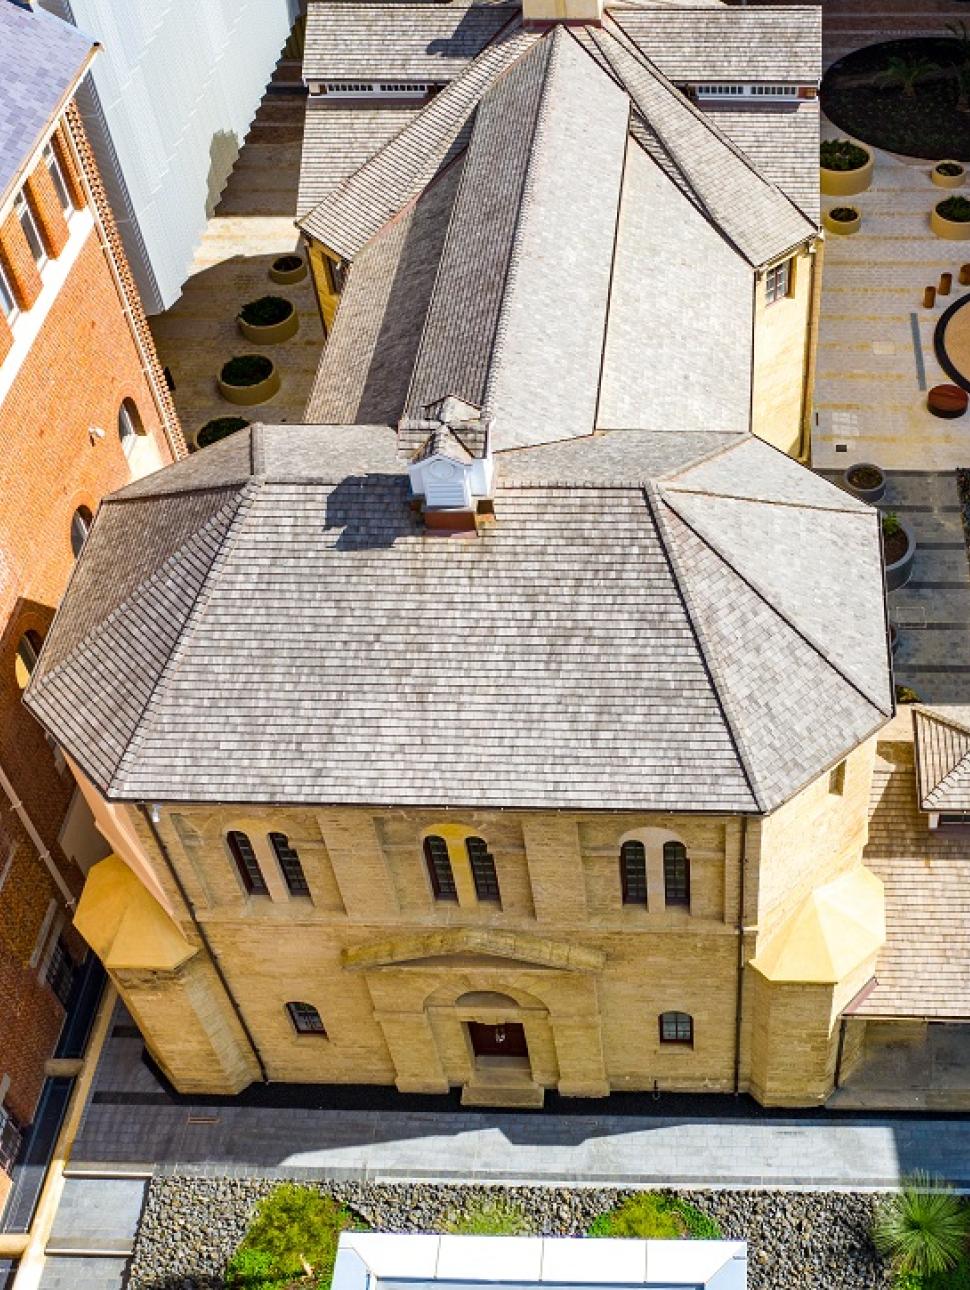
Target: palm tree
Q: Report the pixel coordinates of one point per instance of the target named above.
(923, 1228)
(907, 73)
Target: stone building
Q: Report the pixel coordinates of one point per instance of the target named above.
(511, 724)
(83, 410)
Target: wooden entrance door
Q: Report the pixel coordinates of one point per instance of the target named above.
(504, 1040)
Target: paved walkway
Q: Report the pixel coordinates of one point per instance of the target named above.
(131, 1122)
(251, 226)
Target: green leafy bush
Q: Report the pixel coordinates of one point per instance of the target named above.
(655, 1216)
(923, 1229)
(293, 1236)
(840, 154)
(489, 1216)
(219, 428)
(955, 208)
(266, 311)
(246, 369)
(890, 524)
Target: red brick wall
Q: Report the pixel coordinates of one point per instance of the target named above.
(82, 365)
(18, 262)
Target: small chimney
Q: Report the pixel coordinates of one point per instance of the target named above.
(546, 11)
(451, 473)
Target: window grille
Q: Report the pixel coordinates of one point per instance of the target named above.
(250, 874)
(676, 1028)
(290, 866)
(633, 873)
(60, 971)
(305, 1018)
(676, 874)
(483, 869)
(777, 282)
(439, 868)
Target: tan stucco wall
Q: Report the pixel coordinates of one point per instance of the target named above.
(388, 967)
(783, 346)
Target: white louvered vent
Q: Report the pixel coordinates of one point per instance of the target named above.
(447, 484)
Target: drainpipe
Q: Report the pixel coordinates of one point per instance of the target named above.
(21, 812)
(151, 815)
(743, 859)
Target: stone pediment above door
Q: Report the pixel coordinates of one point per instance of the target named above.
(478, 947)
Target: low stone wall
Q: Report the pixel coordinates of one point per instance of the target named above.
(796, 1240)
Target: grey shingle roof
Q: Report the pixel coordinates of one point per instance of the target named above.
(347, 219)
(397, 41)
(338, 139)
(782, 140)
(41, 59)
(764, 43)
(943, 760)
(601, 661)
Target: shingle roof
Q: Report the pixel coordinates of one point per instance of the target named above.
(590, 648)
(729, 43)
(924, 968)
(42, 58)
(782, 140)
(396, 42)
(347, 219)
(943, 760)
(338, 139)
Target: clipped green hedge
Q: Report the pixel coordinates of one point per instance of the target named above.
(293, 1237)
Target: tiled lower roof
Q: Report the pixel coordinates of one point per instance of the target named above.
(943, 759)
(782, 140)
(338, 139)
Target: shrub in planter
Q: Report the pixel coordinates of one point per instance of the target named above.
(899, 550)
(218, 429)
(268, 320)
(292, 1237)
(288, 268)
(865, 481)
(655, 1216)
(905, 695)
(842, 219)
(950, 218)
(846, 168)
(249, 378)
(948, 174)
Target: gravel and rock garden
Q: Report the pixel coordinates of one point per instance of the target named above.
(195, 1227)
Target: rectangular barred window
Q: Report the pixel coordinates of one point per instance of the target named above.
(58, 180)
(8, 302)
(483, 869)
(778, 282)
(28, 223)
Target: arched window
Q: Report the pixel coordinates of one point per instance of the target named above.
(483, 869)
(289, 862)
(676, 874)
(439, 868)
(306, 1020)
(633, 873)
(129, 425)
(250, 874)
(676, 1028)
(28, 649)
(80, 526)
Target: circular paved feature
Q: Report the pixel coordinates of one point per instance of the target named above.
(951, 340)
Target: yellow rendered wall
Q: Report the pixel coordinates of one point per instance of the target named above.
(783, 347)
(327, 299)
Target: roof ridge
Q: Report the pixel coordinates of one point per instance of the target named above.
(130, 753)
(929, 713)
(555, 38)
(761, 501)
(769, 601)
(960, 767)
(655, 502)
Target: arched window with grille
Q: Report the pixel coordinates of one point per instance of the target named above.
(440, 873)
(483, 870)
(247, 866)
(288, 859)
(306, 1019)
(676, 1028)
(676, 874)
(633, 873)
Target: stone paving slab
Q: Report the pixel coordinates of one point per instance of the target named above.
(63, 1273)
(98, 1209)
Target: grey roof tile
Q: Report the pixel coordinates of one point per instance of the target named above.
(419, 42)
(782, 140)
(338, 139)
(942, 742)
(42, 60)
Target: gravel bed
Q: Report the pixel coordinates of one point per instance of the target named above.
(804, 1240)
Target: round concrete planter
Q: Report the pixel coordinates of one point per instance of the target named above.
(951, 229)
(948, 181)
(843, 227)
(846, 183)
(270, 333)
(253, 392)
(284, 276)
(898, 573)
(874, 492)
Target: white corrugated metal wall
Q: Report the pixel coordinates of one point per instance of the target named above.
(173, 94)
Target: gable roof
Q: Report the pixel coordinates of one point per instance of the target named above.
(591, 649)
(42, 59)
(394, 42)
(942, 760)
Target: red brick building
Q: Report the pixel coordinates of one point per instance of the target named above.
(83, 409)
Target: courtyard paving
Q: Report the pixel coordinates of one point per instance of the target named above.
(251, 226)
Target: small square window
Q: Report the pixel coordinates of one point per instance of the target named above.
(778, 282)
(837, 779)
